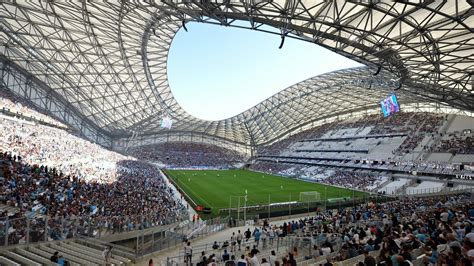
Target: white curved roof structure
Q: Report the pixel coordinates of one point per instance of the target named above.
(100, 67)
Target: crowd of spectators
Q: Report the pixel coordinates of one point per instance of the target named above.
(62, 185)
(48, 146)
(440, 229)
(351, 179)
(13, 104)
(188, 154)
(456, 144)
(278, 146)
(421, 125)
(416, 125)
(138, 196)
(429, 231)
(268, 167)
(316, 170)
(361, 180)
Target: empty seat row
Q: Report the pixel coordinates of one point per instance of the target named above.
(74, 253)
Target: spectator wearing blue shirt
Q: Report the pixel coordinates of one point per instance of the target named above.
(257, 235)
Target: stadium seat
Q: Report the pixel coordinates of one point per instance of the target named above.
(68, 257)
(35, 257)
(21, 259)
(7, 261)
(91, 253)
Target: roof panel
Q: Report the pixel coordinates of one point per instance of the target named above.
(111, 68)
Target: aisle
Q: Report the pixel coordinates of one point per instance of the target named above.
(221, 236)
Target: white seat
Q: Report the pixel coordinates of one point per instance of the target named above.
(7, 261)
(73, 253)
(48, 255)
(67, 256)
(88, 253)
(21, 259)
(35, 257)
(86, 248)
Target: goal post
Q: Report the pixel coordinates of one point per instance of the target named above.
(308, 196)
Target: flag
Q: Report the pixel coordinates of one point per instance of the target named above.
(166, 122)
(93, 209)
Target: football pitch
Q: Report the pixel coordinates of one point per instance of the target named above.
(219, 189)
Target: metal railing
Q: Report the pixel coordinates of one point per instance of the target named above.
(279, 244)
(155, 241)
(41, 228)
(269, 210)
(437, 191)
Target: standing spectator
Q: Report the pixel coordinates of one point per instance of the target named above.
(239, 239)
(188, 253)
(291, 259)
(271, 236)
(264, 238)
(254, 260)
(257, 235)
(273, 258)
(233, 242)
(254, 250)
(248, 234)
(107, 254)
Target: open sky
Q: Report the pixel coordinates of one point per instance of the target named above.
(217, 72)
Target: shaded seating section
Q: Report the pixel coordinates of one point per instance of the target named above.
(16, 105)
(188, 154)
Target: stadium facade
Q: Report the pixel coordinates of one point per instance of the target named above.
(101, 67)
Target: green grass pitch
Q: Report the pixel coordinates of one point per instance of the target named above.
(214, 188)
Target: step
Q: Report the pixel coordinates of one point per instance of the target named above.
(87, 253)
(99, 252)
(7, 261)
(35, 257)
(48, 255)
(64, 250)
(66, 256)
(100, 246)
(19, 258)
(105, 243)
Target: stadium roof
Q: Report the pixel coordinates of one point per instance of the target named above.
(101, 66)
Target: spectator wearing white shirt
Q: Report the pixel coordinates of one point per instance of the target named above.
(272, 258)
(254, 260)
(242, 261)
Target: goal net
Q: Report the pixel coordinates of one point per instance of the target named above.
(309, 196)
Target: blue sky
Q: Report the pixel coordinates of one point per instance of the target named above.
(217, 72)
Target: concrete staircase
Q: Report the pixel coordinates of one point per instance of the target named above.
(76, 252)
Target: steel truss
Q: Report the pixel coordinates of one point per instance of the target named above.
(26, 86)
(106, 61)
